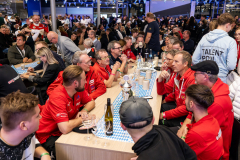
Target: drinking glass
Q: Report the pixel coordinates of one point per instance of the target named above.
(87, 122)
(105, 126)
(23, 66)
(96, 127)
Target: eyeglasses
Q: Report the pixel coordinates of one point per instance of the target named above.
(88, 63)
(106, 57)
(119, 48)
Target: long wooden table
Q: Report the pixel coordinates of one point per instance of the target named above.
(72, 146)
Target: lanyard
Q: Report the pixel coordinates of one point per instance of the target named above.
(20, 52)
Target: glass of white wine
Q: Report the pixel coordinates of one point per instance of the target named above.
(105, 126)
(96, 127)
(87, 122)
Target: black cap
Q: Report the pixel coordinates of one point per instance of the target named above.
(208, 66)
(135, 110)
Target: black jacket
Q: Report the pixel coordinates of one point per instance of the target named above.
(128, 31)
(10, 81)
(104, 41)
(188, 46)
(49, 76)
(69, 32)
(3, 41)
(113, 36)
(138, 50)
(162, 144)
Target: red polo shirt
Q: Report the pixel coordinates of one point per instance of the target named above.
(59, 108)
(205, 138)
(103, 73)
(128, 52)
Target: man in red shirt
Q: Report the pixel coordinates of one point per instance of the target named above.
(204, 135)
(61, 113)
(221, 109)
(94, 86)
(173, 114)
(102, 69)
(37, 25)
(128, 52)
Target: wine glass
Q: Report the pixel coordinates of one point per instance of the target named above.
(96, 127)
(105, 126)
(87, 122)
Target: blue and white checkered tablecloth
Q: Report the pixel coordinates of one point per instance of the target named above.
(19, 69)
(118, 133)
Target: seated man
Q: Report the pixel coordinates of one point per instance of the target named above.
(139, 49)
(74, 36)
(61, 113)
(3, 40)
(127, 50)
(207, 74)
(151, 141)
(115, 53)
(20, 116)
(134, 35)
(94, 86)
(20, 53)
(204, 135)
(173, 114)
(96, 43)
(102, 69)
(178, 45)
(187, 42)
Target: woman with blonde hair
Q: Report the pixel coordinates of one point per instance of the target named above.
(122, 30)
(50, 72)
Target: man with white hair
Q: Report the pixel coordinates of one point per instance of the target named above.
(37, 25)
(65, 45)
(94, 86)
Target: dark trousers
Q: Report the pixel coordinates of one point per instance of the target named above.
(49, 145)
(171, 122)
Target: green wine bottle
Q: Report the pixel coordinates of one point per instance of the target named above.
(109, 118)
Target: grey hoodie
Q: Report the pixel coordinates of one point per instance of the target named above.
(217, 46)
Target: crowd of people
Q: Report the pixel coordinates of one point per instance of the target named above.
(80, 60)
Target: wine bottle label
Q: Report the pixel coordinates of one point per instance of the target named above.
(110, 130)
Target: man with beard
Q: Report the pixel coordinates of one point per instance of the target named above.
(94, 86)
(207, 74)
(65, 108)
(204, 135)
(37, 25)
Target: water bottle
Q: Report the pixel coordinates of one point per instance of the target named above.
(150, 56)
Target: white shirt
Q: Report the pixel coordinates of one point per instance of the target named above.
(84, 22)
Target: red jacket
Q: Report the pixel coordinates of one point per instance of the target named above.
(177, 86)
(103, 73)
(94, 86)
(205, 138)
(128, 52)
(170, 97)
(222, 110)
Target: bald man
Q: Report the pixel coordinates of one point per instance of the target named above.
(65, 46)
(37, 25)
